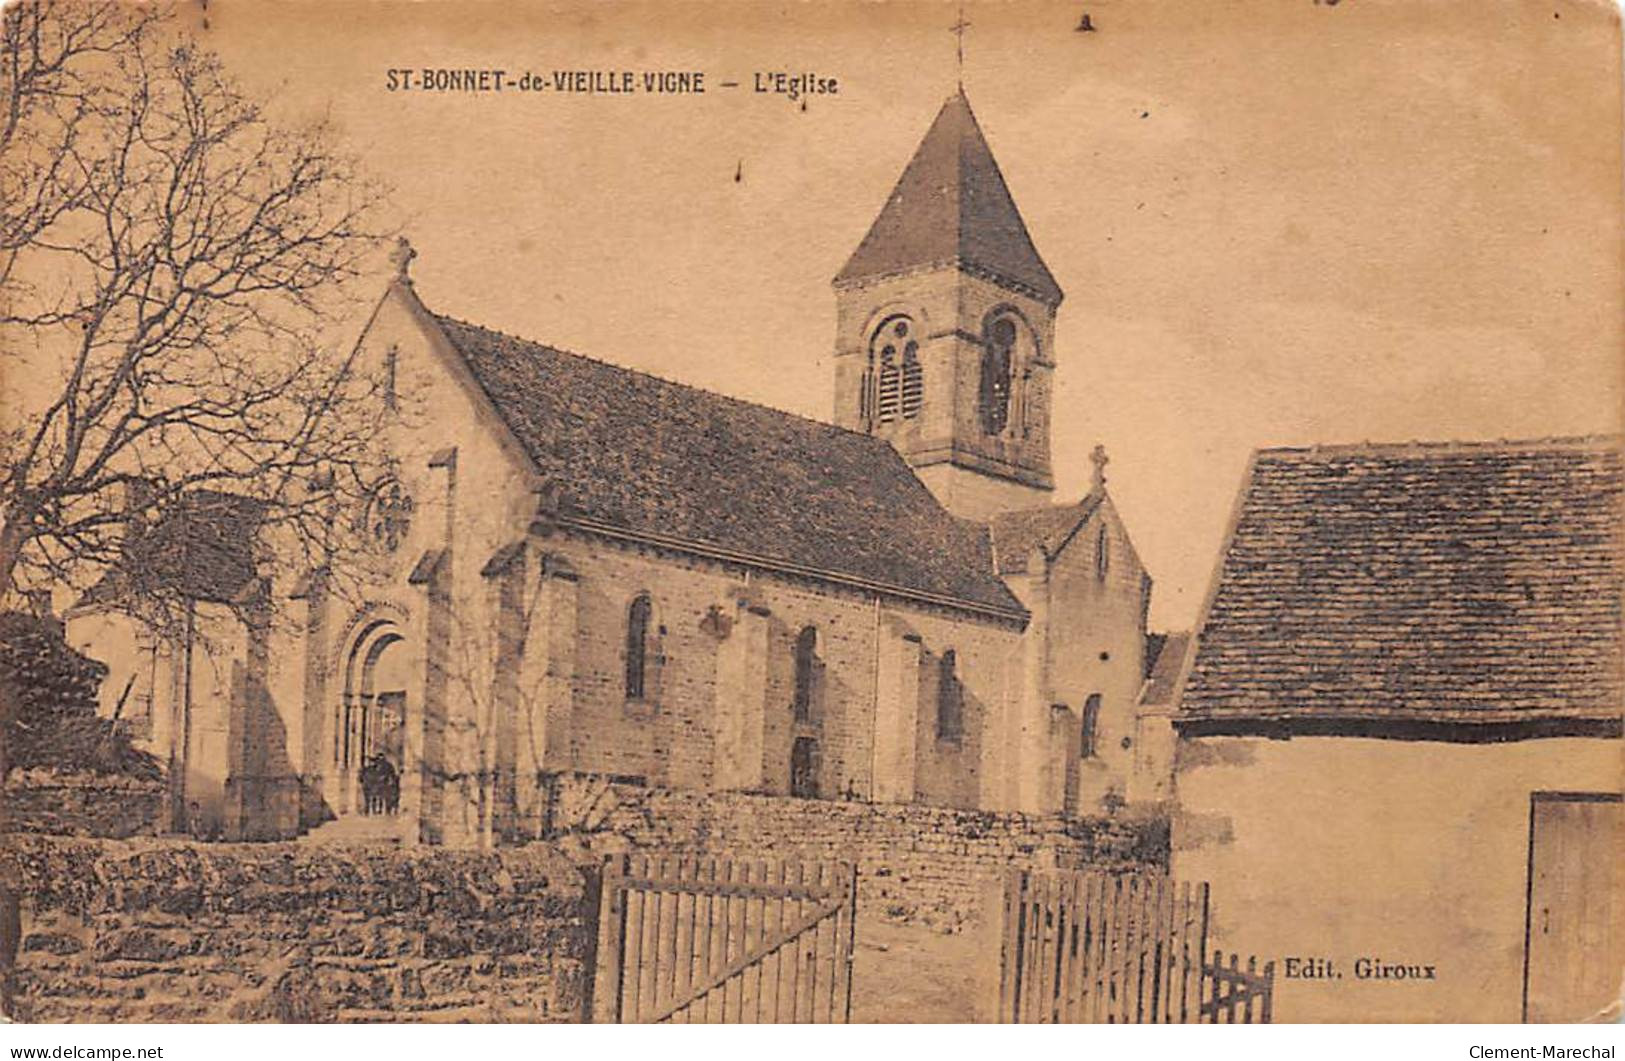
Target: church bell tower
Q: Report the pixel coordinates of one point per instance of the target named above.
(945, 328)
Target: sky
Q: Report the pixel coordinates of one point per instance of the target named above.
(1277, 222)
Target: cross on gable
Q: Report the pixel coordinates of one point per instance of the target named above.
(1098, 458)
(401, 258)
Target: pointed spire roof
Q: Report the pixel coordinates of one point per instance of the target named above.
(951, 206)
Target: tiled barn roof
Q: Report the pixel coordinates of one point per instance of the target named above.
(201, 548)
(951, 206)
(1451, 583)
(647, 455)
(1016, 534)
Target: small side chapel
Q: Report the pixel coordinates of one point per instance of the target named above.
(599, 571)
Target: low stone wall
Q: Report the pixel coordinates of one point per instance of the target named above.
(916, 864)
(81, 804)
(160, 931)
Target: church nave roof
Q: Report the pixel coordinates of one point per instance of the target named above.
(657, 457)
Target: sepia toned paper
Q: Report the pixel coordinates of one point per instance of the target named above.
(834, 512)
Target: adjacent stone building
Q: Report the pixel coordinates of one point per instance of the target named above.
(598, 571)
(1398, 756)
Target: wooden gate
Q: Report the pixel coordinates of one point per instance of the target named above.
(1099, 948)
(1233, 992)
(690, 939)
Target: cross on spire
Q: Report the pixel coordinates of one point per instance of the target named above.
(1098, 458)
(958, 30)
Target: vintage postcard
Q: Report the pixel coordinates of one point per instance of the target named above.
(627, 512)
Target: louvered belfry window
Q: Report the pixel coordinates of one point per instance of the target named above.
(890, 387)
(899, 383)
(913, 386)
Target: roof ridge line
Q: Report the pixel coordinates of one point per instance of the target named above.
(1444, 445)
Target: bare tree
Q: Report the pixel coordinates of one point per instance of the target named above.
(492, 745)
(482, 667)
(168, 256)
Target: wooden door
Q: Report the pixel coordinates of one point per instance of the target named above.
(1575, 943)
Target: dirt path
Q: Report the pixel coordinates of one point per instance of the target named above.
(906, 974)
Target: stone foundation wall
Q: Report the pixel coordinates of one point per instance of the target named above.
(40, 801)
(916, 863)
(157, 931)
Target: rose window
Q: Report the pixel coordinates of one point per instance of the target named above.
(389, 514)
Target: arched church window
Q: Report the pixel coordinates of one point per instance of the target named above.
(1090, 730)
(1103, 555)
(998, 358)
(894, 365)
(950, 698)
(638, 616)
(806, 673)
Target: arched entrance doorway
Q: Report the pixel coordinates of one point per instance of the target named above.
(370, 724)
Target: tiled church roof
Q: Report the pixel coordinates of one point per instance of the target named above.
(1016, 534)
(1450, 583)
(648, 455)
(951, 205)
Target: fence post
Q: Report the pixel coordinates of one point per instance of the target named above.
(851, 938)
(991, 911)
(606, 975)
(1001, 902)
(11, 934)
(1204, 981)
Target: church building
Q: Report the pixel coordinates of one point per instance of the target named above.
(597, 571)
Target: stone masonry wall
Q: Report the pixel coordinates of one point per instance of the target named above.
(156, 931)
(916, 863)
(40, 801)
(670, 740)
